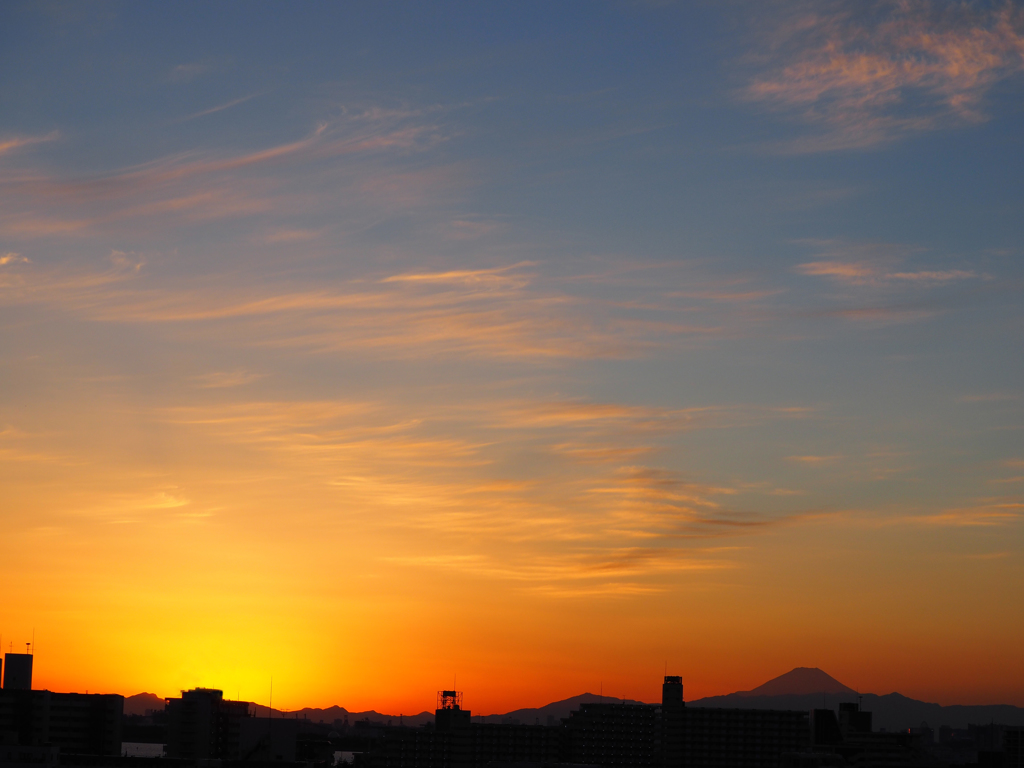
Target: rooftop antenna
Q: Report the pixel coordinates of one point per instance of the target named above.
(270, 716)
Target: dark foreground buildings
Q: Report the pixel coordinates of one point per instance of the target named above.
(201, 729)
(203, 725)
(669, 735)
(36, 725)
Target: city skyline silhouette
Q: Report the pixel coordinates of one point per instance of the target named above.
(352, 350)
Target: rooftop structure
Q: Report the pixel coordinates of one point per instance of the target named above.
(18, 672)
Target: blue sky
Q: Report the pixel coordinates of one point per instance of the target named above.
(613, 304)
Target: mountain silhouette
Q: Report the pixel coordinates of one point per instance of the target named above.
(142, 703)
(803, 688)
(330, 714)
(809, 688)
(555, 710)
(799, 681)
(890, 712)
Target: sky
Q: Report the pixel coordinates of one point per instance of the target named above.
(364, 349)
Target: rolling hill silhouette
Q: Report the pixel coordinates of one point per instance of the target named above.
(330, 714)
(803, 688)
(141, 703)
(555, 710)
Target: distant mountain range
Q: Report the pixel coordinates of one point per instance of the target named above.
(803, 688)
(143, 704)
(550, 713)
(810, 688)
(331, 714)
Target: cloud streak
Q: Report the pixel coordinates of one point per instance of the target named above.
(196, 188)
(446, 473)
(986, 515)
(867, 75)
(13, 143)
(220, 107)
(497, 312)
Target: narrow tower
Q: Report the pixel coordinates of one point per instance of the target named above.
(449, 714)
(18, 672)
(673, 721)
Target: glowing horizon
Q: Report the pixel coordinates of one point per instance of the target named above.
(358, 348)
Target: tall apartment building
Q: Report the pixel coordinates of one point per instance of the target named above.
(18, 672)
(76, 723)
(202, 724)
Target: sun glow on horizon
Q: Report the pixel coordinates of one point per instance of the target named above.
(357, 350)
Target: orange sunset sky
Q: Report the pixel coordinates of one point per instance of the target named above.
(360, 346)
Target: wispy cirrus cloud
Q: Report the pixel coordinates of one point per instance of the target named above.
(813, 460)
(290, 235)
(607, 524)
(226, 379)
(990, 514)
(616, 572)
(866, 75)
(469, 229)
(183, 73)
(220, 107)
(991, 397)
(19, 446)
(875, 264)
(493, 312)
(13, 143)
(200, 187)
(883, 283)
(500, 277)
(861, 273)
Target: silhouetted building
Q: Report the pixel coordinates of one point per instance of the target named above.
(262, 739)
(812, 760)
(613, 735)
(455, 741)
(618, 735)
(77, 723)
(825, 728)
(926, 733)
(203, 725)
(15, 755)
(673, 714)
(514, 743)
(1013, 747)
(449, 714)
(742, 737)
(849, 736)
(853, 720)
(18, 672)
